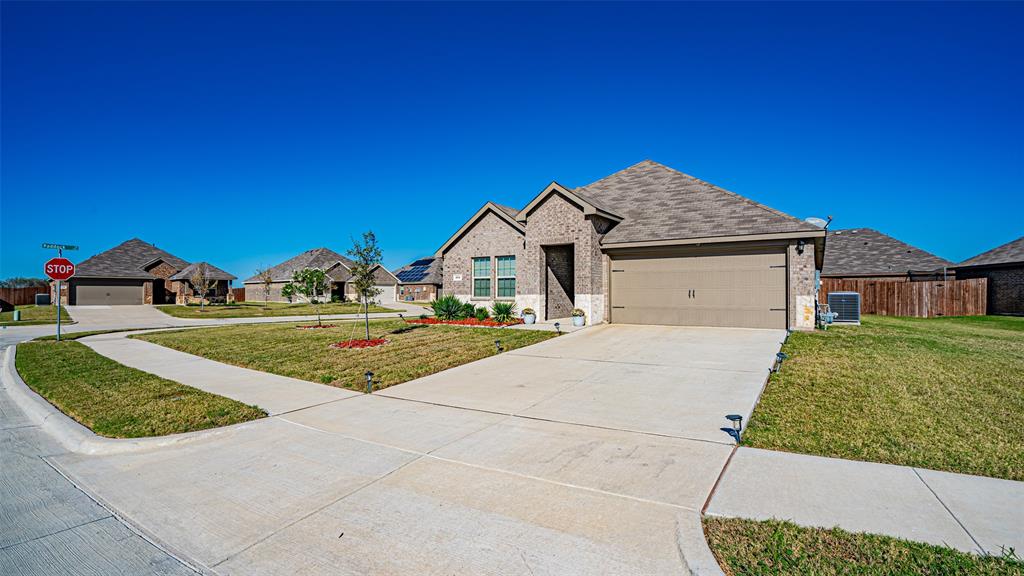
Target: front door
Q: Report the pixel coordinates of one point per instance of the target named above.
(559, 276)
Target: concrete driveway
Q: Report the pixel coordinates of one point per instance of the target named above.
(591, 453)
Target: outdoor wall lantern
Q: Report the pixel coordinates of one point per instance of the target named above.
(800, 246)
(369, 381)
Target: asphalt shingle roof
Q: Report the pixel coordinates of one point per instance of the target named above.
(1009, 253)
(315, 258)
(422, 271)
(659, 203)
(126, 260)
(213, 273)
(867, 252)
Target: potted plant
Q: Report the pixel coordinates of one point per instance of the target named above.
(579, 318)
(529, 316)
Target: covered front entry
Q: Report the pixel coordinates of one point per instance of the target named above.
(734, 287)
(106, 292)
(560, 285)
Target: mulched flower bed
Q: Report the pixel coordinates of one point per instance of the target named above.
(467, 322)
(314, 326)
(357, 344)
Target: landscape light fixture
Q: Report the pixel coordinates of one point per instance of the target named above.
(369, 382)
(779, 358)
(401, 316)
(737, 424)
(558, 327)
(497, 346)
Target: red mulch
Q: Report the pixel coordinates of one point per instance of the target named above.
(467, 322)
(350, 344)
(314, 326)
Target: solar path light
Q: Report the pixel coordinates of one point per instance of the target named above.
(369, 382)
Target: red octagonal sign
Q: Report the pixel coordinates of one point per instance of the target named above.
(59, 268)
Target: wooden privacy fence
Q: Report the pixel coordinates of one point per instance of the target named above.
(239, 294)
(21, 296)
(922, 299)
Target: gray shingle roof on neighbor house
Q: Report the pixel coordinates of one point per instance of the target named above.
(213, 273)
(128, 259)
(1010, 253)
(315, 258)
(867, 252)
(659, 203)
(423, 271)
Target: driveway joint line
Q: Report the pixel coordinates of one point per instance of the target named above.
(293, 410)
(514, 353)
(422, 455)
(961, 524)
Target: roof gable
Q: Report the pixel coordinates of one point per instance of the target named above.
(315, 258)
(587, 205)
(1009, 253)
(213, 273)
(504, 213)
(658, 203)
(867, 252)
(128, 259)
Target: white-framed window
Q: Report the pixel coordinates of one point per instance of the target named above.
(506, 266)
(482, 277)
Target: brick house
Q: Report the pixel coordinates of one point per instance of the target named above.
(1004, 268)
(646, 245)
(338, 270)
(186, 293)
(420, 280)
(133, 272)
(866, 254)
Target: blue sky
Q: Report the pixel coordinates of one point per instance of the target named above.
(245, 133)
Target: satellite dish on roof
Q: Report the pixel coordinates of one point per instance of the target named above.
(816, 221)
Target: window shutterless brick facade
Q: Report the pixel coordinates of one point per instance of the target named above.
(488, 238)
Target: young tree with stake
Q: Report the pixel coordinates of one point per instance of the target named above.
(311, 283)
(266, 281)
(202, 283)
(366, 256)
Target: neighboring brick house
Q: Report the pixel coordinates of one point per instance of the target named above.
(420, 280)
(1004, 268)
(133, 272)
(866, 254)
(338, 269)
(219, 291)
(646, 245)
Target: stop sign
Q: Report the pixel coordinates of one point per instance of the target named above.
(59, 268)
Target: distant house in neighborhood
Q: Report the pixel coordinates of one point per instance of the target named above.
(1004, 268)
(338, 270)
(420, 280)
(646, 245)
(133, 272)
(867, 254)
(220, 280)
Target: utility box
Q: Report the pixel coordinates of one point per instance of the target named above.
(846, 306)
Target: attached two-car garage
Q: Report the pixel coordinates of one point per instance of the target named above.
(736, 287)
(106, 291)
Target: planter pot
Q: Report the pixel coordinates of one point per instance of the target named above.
(578, 320)
(529, 318)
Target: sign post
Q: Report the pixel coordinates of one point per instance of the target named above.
(59, 269)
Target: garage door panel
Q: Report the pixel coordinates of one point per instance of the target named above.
(745, 290)
(121, 293)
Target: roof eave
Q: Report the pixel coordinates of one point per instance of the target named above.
(716, 239)
(488, 207)
(556, 188)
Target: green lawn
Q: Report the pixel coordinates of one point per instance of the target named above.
(749, 548)
(257, 309)
(282, 349)
(944, 393)
(32, 314)
(117, 401)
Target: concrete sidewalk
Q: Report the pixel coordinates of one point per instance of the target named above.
(275, 394)
(969, 513)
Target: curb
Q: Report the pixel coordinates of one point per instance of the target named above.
(75, 437)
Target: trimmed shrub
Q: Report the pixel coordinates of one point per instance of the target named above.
(448, 307)
(482, 314)
(504, 311)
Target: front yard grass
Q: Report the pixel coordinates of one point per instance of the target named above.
(117, 401)
(942, 393)
(418, 350)
(257, 309)
(750, 547)
(32, 314)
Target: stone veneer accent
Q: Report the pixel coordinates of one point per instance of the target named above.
(491, 236)
(801, 286)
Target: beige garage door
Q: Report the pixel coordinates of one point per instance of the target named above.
(108, 294)
(705, 289)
